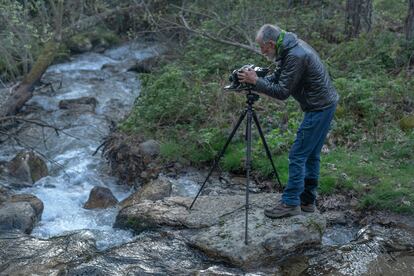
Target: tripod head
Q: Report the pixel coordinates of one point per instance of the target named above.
(251, 97)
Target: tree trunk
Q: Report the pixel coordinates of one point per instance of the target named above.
(23, 91)
(358, 17)
(409, 21)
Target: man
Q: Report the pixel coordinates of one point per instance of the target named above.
(303, 76)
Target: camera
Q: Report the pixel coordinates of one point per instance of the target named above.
(236, 85)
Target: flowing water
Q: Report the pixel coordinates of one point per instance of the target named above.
(74, 170)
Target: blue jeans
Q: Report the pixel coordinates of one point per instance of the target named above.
(304, 157)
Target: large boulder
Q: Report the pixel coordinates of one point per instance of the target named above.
(27, 167)
(17, 216)
(34, 201)
(25, 255)
(154, 190)
(218, 224)
(100, 198)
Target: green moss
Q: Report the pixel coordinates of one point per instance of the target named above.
(312, 223)
(407, 123)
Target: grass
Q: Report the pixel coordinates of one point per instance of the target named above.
(182, 105)
(381, 181)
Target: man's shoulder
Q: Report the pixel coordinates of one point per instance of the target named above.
(297, 52)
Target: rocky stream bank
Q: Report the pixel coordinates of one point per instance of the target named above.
(66, 212)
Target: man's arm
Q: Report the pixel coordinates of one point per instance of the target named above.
(289, 79)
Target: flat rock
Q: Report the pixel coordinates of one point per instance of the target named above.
(218, 224)
(154, 190)
(25, 255)
(148, 254)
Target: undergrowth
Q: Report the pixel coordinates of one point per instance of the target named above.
(182, 105)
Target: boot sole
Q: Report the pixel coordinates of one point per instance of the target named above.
(289, 214)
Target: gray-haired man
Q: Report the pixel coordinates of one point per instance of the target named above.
(303, 76)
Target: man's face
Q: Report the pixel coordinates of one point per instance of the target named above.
(267, 49)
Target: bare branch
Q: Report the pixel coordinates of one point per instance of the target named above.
(216, 18)
(214, 38)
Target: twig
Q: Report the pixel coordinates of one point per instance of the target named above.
(216, 17)
(210, 36)
(26, 146)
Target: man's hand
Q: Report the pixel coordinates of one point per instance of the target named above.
(247, 76)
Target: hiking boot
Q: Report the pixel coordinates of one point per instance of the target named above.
(308, 208)
(282, 210)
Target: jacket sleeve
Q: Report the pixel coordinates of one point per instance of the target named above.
(289, 79)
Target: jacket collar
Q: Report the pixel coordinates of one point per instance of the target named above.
(289, 41)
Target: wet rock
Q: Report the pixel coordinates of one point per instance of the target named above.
(83, 104)
(17, 216)
(154, 190)
(372, 244)
(4, 194)
(294, 266)
(27, 167)
(218, 226)
(34, 201)
(100, 197)
(148, 254)
(3, 167)
(25, 255)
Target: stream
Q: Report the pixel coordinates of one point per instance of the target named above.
(74, 170)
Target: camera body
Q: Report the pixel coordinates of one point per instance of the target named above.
(236, 85)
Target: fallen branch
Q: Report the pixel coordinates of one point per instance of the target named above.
(23, 91)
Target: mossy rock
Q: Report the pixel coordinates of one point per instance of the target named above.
(407, 123)
(97, 40)
(80, 43)
(104, 36)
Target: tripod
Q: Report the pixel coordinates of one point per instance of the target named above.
(251, 98)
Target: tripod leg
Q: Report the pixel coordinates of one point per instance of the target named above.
(248, 168)
(269, 155)
(218, 157)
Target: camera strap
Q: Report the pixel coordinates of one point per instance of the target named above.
(279, 42)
